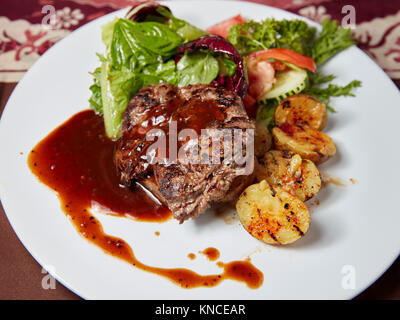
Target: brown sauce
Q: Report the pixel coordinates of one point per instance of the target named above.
(191, 256)
(245, 271)
(197, 115)
(76, 160)
(212, 254)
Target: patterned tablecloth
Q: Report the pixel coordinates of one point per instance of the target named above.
(23, 37)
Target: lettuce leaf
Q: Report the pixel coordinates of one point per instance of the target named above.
(226, 66)
(183, 28)
(197, 67)
(330, 41)
(221, 47)
(117, 88)
(319, 86)
(137, 54)
(107, 31)
(137, 44)
(159, 72)
(270, 33)
(292, 34)
(95, 100)
(265, 113)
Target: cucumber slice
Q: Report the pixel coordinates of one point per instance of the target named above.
(288, 82)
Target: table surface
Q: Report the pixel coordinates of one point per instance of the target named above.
(21, 276)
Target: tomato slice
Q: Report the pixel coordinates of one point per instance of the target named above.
(286, 55)
(279, 66)
(222, 28)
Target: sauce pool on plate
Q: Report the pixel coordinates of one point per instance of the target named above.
(76, 161)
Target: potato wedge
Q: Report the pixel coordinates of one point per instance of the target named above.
(271, 214)
(309, 143)
(300, 110)
(285, 169)
(262, 139)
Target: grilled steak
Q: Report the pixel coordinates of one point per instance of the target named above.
(186, 182)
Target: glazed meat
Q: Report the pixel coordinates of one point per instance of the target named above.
(188, 182)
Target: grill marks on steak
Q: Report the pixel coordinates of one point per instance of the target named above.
(144, 111)
(186, 188)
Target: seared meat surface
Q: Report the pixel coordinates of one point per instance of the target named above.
(187, 187)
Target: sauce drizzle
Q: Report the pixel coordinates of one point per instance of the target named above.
(212, 254)
(76, 161)
(329, 179)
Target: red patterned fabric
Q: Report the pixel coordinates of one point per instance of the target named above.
(23, 37)
(377, 27)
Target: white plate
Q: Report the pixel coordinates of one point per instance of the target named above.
(354, 232)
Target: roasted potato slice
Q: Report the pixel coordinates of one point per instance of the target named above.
(309, 143)
(285, 169)
(271, 214)
(262, 139)
(300, 110)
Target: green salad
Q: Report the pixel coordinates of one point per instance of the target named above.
(298, 36)
(144, 48)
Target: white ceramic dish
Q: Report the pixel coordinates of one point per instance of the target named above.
(354, 231)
